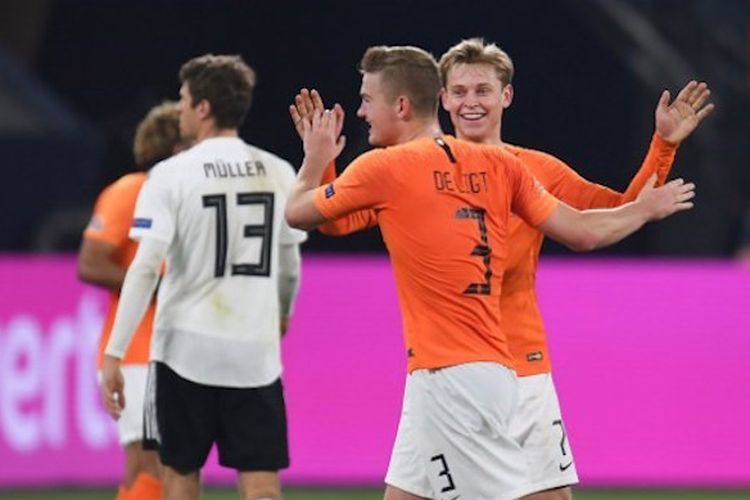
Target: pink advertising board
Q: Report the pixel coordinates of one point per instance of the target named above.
(649, 357)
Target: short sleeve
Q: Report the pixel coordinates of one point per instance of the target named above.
(113, 213)
(367, 183)
(529, 199)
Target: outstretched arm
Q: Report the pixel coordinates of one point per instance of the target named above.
(674, 122)
(591, 229)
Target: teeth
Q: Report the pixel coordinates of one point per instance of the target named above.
(472, 116)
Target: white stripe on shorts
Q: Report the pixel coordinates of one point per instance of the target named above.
(150, 423)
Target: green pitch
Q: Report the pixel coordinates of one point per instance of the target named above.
(339, 494)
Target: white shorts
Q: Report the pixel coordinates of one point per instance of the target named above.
(537, 426)
(453, 438)
(130, 423)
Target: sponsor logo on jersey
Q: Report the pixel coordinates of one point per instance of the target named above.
(534, 356)
(330, 191)
(142, 222)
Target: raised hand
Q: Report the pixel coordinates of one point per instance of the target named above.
(672, 197)
(321, 136)
(676, 121)
(306, 103)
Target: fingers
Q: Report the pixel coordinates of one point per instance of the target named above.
(652, 179)
(664, 99)
(679, 207)
(700, 96)
(296, 119)
(305, 103)
(315, 100)
(675, 182)
(704, 112)
(696, 95)
(686, 91)
(294, 114)
(119, 398)
(682, 191)
(114, 401)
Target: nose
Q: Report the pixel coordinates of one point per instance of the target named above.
(471, 99)
(361, 111)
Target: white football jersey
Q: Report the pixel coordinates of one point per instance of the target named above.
(220, 207)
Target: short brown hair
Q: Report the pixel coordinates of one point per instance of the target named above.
(408, 71)
(477, 51)
(157, 135)
(226, 82)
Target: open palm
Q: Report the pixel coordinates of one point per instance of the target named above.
(676, 121)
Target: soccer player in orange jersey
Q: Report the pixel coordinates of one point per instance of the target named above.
(477, 80)
(444, 208)
(477, 88)
(104, 256)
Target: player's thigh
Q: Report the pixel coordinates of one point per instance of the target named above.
(259, 484)
(406, 477)
(181, 419)
(564, 493)
(539, 428)
(253, 428)
(462, 415)
(179, 486)
(394, 493)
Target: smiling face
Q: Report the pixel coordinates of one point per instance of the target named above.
(379, 110)
(475, 98)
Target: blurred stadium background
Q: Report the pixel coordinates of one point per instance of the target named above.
(77, 75)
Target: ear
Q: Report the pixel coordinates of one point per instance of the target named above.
(443, 98)
(507, 96)
(204, 109)
(403, 107)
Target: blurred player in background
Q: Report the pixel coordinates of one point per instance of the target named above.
(215, 212)
(105, 254)
(444, 208)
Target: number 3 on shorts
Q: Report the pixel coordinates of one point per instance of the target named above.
(444, 471)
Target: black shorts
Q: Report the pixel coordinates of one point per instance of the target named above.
(183, 419)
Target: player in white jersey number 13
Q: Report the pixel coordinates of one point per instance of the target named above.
(214, 213)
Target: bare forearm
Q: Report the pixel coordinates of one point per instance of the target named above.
(104, 274)
(97, 265)
(602, 228)
(587, 230)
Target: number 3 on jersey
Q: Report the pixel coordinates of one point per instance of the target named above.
(482, 250)
(263, 231)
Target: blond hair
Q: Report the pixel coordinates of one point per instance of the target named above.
(408, 71)
(157, 135)
(477, 51)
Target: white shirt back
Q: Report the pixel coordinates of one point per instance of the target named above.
(220, 207)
